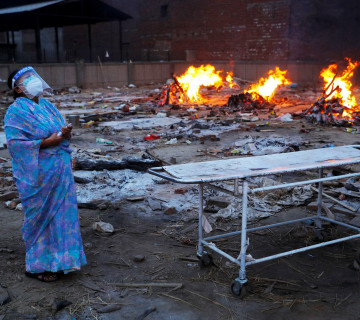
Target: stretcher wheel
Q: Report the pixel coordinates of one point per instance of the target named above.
(238, 289)
(206, 260)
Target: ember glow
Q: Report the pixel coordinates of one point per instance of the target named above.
(339, 86)
(195, 78)
(266, 87)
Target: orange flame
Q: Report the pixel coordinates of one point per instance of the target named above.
(266, 86)
(229, 80)
(194, 78)
(342, 82)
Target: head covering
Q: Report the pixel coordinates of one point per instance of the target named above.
(30, 83)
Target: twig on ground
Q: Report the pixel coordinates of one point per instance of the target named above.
(336, 200)
(91, 286)
(181, 300)
(150, 284)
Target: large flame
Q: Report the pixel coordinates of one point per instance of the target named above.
(194, 78)
(341, 83)
(266, 86)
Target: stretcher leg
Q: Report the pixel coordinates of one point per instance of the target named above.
(238, 285)
(318, 223)
(203, 256)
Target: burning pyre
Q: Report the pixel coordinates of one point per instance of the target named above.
(188, 88)
(266, 87)
(337, 104)
(260, 94)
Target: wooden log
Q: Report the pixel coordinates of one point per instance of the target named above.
(137, 164)
(180, 88)
(167, 96)
(336, 200)
(332, 81)
(82, 180)
(109, 308)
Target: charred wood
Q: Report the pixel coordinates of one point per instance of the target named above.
(180, 88)
(245, 102)
(81, 180)
(137, 164)
(332, 81)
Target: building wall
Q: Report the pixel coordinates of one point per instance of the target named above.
(104, 39)
(25, 50)
(188, 30)
(210, 30)
(242, 30)
(324, 30)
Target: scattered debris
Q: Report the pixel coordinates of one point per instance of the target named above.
(8, 195)
(134, 199)
(268, 145)
(285, 117)
(139, 258)
(61, 304)
(103, 227)
(151, 137)
(170, 211)
(109, 308)
(105, 141)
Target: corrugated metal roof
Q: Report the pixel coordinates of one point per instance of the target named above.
(28, 7)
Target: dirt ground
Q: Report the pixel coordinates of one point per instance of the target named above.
(316, 284)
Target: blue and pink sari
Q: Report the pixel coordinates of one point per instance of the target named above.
(45, 182)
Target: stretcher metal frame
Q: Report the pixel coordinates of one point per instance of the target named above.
(241, 280)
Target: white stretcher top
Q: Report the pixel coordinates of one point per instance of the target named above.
(218, 170)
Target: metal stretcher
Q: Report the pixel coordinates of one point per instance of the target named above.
(240, 169)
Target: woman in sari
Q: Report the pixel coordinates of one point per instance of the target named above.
(38, 141)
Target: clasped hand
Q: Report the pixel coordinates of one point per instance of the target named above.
(66, 132)
(54, 140)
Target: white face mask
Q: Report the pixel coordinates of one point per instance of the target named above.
(33, 86)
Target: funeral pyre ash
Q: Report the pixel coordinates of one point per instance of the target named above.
(337, 104)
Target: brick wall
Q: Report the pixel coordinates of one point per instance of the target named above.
(211, 30)
(225, 30)
(197, 29)
(324, 30)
